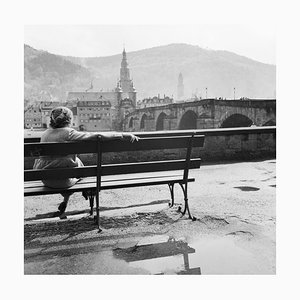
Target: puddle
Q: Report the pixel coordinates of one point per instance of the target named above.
(165, 256)
(160, 255)
(223, 256)
(202, 256)
(247, 188)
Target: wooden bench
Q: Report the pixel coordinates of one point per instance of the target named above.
(121, 175)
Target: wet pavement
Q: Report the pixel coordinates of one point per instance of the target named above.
(234, 232)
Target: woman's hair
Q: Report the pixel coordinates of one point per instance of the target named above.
(60, 117)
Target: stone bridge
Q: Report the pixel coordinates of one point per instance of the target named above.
(203, 114)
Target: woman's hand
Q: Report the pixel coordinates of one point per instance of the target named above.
(130, 137)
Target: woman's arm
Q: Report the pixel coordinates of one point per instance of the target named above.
(118, 135)
(75, 135)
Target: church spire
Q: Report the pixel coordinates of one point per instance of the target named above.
(124, 63)
(126, 84)
(124, 71)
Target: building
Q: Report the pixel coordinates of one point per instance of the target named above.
(75, 121)
(94, 115)
(37, 115)
(155, 101)
(105, 110)
(92, 110)
(97, 110)
(180, 88)
(46, 108)
(33, 116)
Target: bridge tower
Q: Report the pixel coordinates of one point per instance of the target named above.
(180, 87)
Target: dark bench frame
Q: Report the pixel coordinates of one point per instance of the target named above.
(151, 141)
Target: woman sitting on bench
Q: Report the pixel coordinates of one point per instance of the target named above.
(60, 131)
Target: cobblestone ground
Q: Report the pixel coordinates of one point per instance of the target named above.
(235, 208)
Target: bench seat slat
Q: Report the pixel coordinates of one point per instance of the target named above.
(147, 143)
(111, 178)
(37, 188)
(111, 169)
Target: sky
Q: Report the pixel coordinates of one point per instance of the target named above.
(255, 41)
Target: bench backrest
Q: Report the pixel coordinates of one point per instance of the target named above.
(183, 140)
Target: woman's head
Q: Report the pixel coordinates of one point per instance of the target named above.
(60, 117)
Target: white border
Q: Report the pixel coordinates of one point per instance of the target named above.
(15, 14)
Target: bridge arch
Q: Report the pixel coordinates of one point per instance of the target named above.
(142, 124)
(236, 120)
(130, 124)
(188, 120)
(160, 121)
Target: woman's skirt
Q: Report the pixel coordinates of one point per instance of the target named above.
(66, 162)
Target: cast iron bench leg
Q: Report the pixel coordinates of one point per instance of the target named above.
(186, 202)
(171, 187)
(91, 198)
(98, 213)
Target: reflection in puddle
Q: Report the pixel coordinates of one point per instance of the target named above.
(247, 188)
(214, 255)
(165, 257)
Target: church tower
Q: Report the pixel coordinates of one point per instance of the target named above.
(180, 88)
(126, 84)
(125, 80)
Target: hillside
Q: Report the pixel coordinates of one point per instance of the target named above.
(156, 70)
(48, 76)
